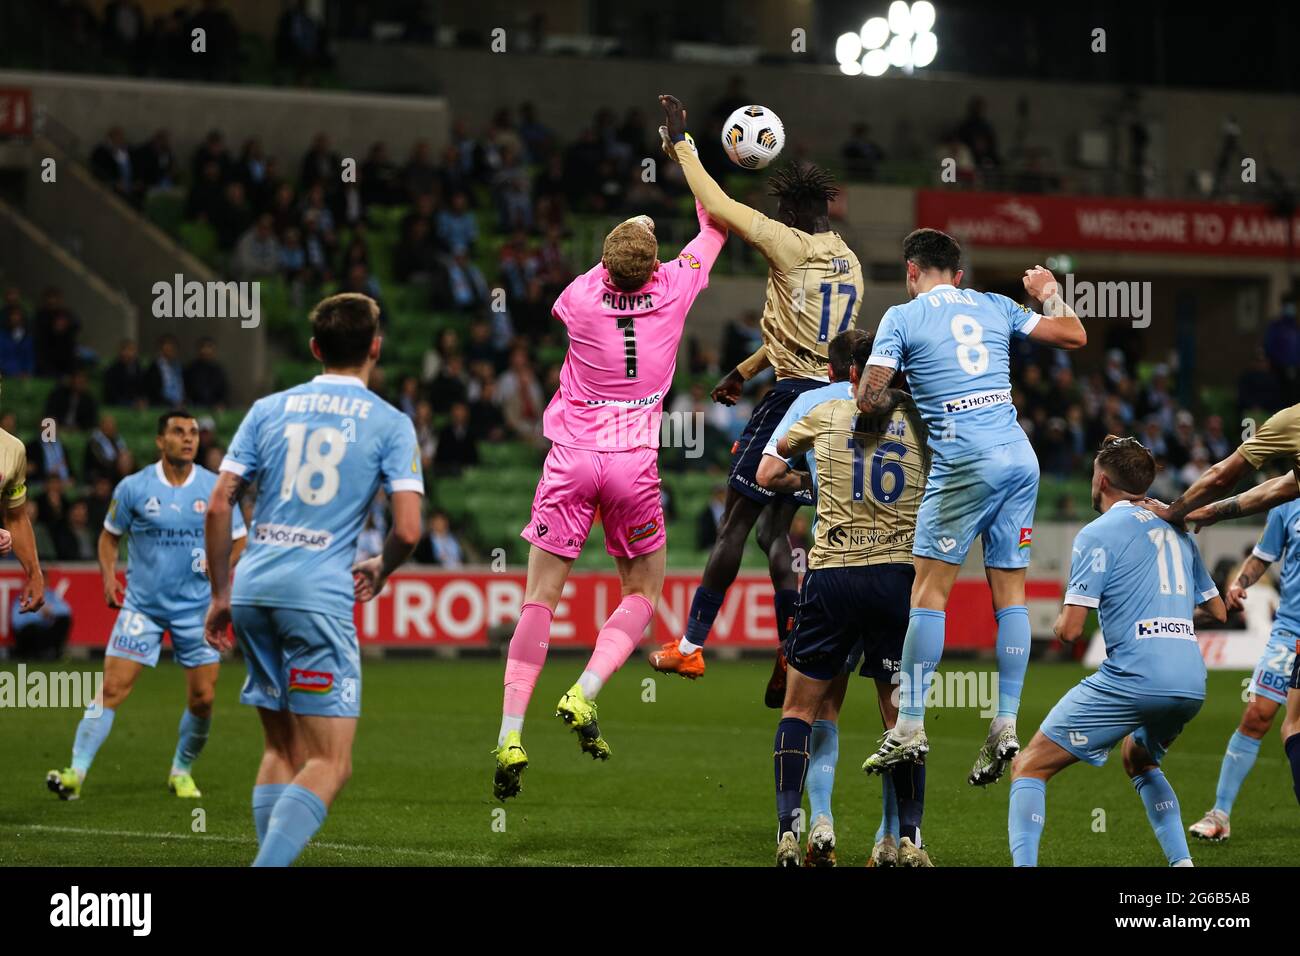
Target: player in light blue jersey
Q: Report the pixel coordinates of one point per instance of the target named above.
(318, 452)
(1145, 579)
(955, 345)
(1268, 687)
(160, 510)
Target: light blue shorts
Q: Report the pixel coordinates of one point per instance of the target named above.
(1090, 720)
(301, 661)
(1273, 672)
(138, 637)
(993, 496)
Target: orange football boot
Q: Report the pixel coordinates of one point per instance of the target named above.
(774, 696)
(670, 660)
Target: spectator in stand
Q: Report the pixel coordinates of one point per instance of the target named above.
(408, 396)
(300, 40)
(1153, 437)
(360, 280)
(110, 162)
(206, 384)
(521, 398)
(52, 508)
(439, 545)
(1258, 387)
(1215, 440)
(293, 258)
(457, 227)
(255, 171)
(457, 443)
(315, 202)
(538, 140)
(482, 348)
(207, 191)
(47, 458)
(99, 499)
(415, 259)
(55, 336)
(125, 381)
(284, 209)
(317, 247)
(381, 183)
(485, 417)
(450, 385)
(1157, 400)
(212, 150)
(419, 177)
(741, 339)
(71, 405)
(977, 134)
(1183, 441)
(78, 540)
(1197, 463)
(41, 634)
(446, 345)
(861, 154)
(462, 284)
(1282, 346)
(425, 437)
(154, 162)
(221, 58)
(257, 254)
(102, 451)
(165, 379)
(17, 345)
(512, 193)
(231, 217)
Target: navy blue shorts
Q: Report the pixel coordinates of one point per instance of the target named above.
(1295, 668)
(846, 610)
(748, 451)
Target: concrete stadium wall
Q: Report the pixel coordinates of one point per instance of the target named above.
(285, 120)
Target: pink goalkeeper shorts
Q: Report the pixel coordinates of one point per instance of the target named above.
(575, 481)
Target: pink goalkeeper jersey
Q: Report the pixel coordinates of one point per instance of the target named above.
(623, 349)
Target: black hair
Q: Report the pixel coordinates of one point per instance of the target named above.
(932, 249)
(842, 352)
(167, 416)
(804, 188)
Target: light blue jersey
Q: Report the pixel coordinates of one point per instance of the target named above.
(801, 406)
(166, 570)
(1279, 542)
(318, 451)
(955, 346)
(1145, 578)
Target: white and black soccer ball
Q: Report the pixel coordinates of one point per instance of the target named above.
(753, 136)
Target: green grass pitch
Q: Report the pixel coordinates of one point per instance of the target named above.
(690, 782)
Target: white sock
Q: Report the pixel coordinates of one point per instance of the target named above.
(508, 724)
(906, 726)
(1186, 862)
(590, 684)
(999, 723)
(686, 648)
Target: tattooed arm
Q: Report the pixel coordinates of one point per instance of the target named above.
(1260, 498)
(1251, 572)
(875, 397)
(218, 542)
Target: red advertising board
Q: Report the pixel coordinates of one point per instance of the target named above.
(460, 608)
(1108, 224)
(15, 112)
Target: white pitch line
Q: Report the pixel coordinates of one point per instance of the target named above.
(217, 838)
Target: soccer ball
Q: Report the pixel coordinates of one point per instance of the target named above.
(753, 136)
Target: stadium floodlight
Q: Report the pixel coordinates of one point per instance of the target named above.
(924, 49)
(900, 19)
(875, 63)
(848, 48)
(875, 32)
(903, 39)
(900, 52)
(922, 16)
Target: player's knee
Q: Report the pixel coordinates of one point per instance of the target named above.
(200, 702)
(115, 691)
(1256, 721)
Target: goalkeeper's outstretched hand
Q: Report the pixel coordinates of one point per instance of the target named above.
(674, 116)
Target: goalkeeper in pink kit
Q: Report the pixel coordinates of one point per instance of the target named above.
(625, 319)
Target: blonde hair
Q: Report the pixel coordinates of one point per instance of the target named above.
(629, 255)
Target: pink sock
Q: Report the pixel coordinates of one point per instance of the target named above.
(619, 637)
(526, 656)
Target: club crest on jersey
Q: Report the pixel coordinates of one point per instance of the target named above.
(200, 506)
(642, 531)
(310, 682)
(153, 506)
(1026, 534)
(690, 259)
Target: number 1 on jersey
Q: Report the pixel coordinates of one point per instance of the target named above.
(629, 344)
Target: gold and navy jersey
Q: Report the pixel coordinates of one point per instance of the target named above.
(813, 288)
(869, 473)
(13, 471)
(1278, 439)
